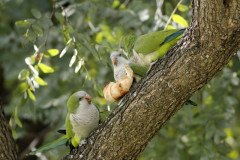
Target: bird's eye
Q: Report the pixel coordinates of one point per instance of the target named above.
(120, 55)
(80, 98)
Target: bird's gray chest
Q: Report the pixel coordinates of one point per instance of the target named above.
(119, 72)
(84, 120)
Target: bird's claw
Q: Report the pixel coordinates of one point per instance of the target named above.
(82, 142)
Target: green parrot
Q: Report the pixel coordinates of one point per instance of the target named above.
(119, 61)
(81, 119)
(144, 49)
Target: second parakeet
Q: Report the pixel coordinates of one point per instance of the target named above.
(144, 49)
(118, 62)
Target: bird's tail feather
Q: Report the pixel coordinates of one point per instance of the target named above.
(191, 102)
(62, 140)
(173, 36)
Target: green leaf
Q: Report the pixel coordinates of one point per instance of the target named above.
(23, 74)
(194, 149)
(83, 40)
(170, 27)
(180, 20)
(40, 81)
(51, 52)
(18, 122)
(37, 30)
(32, 59)
(45, 68)
(115, 4)
(45, 22)
(182, 8)
(24, 23)
(21, 88)
(11, 122)
(31, 95)
(36, 13)
(30, 35)
(14, 133)
(59, 17)
(99, 37)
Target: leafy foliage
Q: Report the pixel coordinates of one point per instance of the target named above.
(57, 48)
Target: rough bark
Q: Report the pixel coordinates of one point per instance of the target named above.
(207, 46)
(8, 149)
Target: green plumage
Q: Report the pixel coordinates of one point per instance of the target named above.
(147, 48)
(81, 119)
(138, 70)
(61, 141)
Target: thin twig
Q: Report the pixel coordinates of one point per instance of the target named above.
(172, 14)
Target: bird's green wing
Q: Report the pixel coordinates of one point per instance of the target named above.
(151, 42)
(69, 128)
(75, 140)
(62, 140)
(138, 70)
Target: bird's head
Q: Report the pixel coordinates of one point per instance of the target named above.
(118, 59)
(79, 98)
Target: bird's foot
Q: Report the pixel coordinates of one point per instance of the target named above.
(82, 142)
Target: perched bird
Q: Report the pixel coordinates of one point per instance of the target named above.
(81, 119)
(144, 49)
(140, 51)
(118, 65)
(119, 61)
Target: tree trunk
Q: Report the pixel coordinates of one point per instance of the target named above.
(206, 47)
(8, 149)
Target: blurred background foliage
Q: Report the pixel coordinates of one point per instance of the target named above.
(36, 82)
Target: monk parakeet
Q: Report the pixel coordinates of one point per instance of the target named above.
(118, 62)
(119, 71)
(82, 118)
(144, 49)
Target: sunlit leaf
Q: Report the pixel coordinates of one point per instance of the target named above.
(45, 68)
(99, 37)
(23, 74)
(31, 95)
(115, 3)
(32, 59)
(182, 8)
(233, 154)
(73, 59)
(180, 20)
(170, 27)
(21, 88)
(79, 65)
(40, 81)
(51, 52)
(24, 23)
(28, 60)
(63, 52)
(36, 13)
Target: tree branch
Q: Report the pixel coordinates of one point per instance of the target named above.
(7, 148)
(205, 48)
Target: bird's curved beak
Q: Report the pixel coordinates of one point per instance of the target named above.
(88, 98)
(114, 60)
